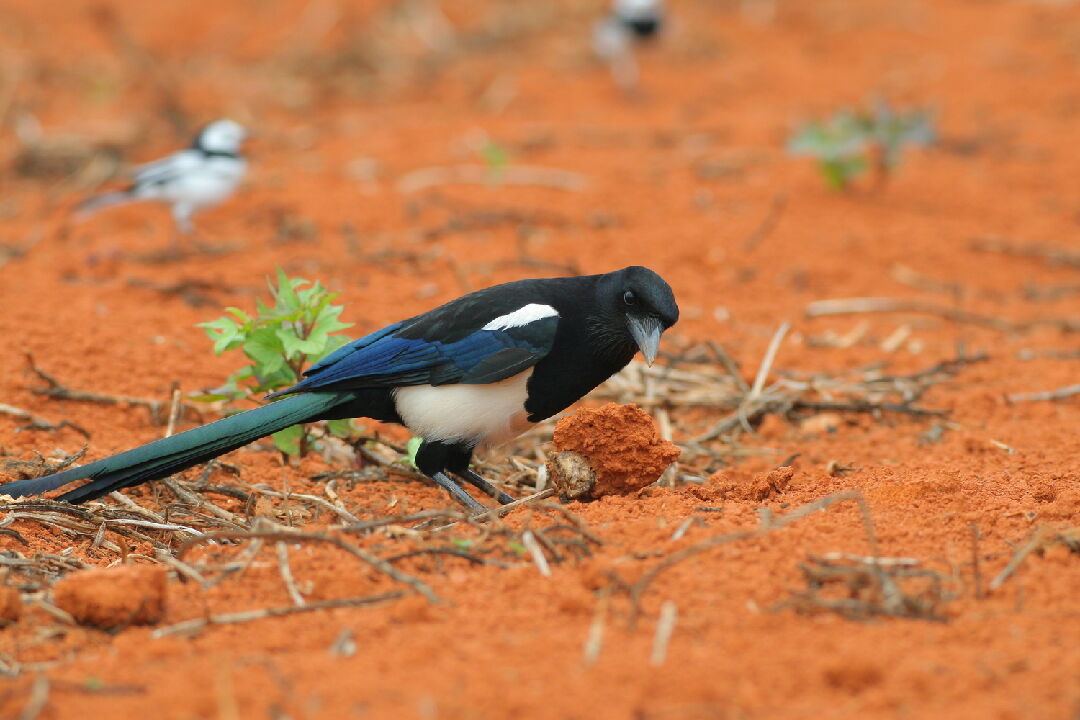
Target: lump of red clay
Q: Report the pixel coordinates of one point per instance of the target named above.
(114, 597)
(612, 450)
(734, 485)
(10, 605)
(770, 483)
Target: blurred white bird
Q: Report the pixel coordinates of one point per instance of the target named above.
(198, 177)
(630, 22)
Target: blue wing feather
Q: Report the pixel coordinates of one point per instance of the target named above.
(350, 348)
(385, 359)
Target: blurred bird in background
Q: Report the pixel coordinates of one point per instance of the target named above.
(630, 23)
(198, 177)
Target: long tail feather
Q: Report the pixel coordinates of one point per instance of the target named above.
(92, 204)
(164, 457)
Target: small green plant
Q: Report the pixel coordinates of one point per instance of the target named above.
(495, 157)
(411, 448)
(854, 141)
(280, 340)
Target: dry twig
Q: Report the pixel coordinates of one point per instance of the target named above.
(374, 561)
(1040, 539)
(192, 626)
(37, 423)
(54, 389)
(1058, 394)
(850, 306)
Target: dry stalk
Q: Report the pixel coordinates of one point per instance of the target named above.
(300, 537)
(870, 587)
(193, 626)
(1041, 538)
(34, 422)
(1058, 394)
(867, 305)
(54, 389)
(768, 524)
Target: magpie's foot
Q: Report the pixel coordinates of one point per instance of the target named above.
(475, 480)
(457, 492)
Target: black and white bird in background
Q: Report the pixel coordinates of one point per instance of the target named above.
(198, 177)
(472, 373)
(615, 37)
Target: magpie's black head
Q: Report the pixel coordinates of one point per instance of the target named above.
(636, 307)
(221, 137)
(641, 17)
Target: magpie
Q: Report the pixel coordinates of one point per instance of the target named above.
(469, 374)
(629, 22)
(197, 177)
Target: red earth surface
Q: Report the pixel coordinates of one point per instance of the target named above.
(354, 105)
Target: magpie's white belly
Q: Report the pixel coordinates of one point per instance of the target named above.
(482, 414)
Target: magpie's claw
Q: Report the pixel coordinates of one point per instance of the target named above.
(476, 481)
(457, 492)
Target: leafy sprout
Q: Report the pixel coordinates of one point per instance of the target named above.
(853, 141)
(496, 158)
(281, 339)
(411, 448)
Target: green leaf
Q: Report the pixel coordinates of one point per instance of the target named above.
(223, 332)
(839, 173)
(210, 397)
(327, 322)
(850, 141)
(344, 428)
(239, 314)
(286, 290)
(411, 448)
(288, 440)
(298, 326)
(291, 345)
(495, 157)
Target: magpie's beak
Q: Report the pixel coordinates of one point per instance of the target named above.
(646, 331)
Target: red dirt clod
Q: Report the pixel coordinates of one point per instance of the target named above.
(114, 597)
(10, 605)
(733, 485)
(771, 483)
(614, 449)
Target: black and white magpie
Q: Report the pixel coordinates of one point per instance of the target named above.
(197, 177)
(474, 372)
(614, 36)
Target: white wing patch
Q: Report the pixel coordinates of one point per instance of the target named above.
(522, 316)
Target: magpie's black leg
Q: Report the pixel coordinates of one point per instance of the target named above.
(458, 458)
(475, 480)
(456, 491)
(434, 458)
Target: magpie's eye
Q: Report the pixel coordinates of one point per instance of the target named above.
(629, 297)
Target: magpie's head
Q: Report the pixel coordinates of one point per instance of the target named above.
(646, 13)
(221, 136)
(637, 305)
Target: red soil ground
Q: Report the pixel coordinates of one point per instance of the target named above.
(693, 181)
